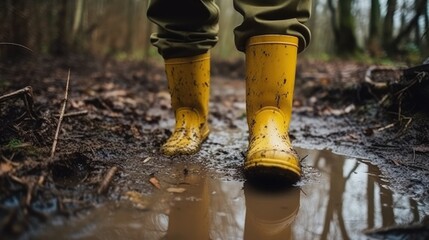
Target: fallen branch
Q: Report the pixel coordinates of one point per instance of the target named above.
(19, 92)
(62, 111)
(27, 96)
(107, 179)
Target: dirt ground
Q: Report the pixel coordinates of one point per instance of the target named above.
(123, 115)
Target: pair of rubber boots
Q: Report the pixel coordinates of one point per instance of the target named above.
(270, 78)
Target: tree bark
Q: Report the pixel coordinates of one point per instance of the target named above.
(59, 45)
(346, 43)
(130, 29)
(426, 32)
(419, 8)
(77, 19)
(388, 24)
(374, 46)
(17, 13)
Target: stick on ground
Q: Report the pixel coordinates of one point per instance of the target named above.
(62, 111)
(107, 179)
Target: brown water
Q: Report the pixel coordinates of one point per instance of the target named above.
(339, 198)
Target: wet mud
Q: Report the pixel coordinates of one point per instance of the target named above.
(339, 198)
(128, 117)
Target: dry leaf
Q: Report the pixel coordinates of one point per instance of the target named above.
(155, 182)
(175, 190)
(5, 167)
(136, 132)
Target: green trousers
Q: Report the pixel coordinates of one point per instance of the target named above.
(190, 27)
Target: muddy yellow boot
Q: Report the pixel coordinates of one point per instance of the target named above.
(188, 83)
(270, 79)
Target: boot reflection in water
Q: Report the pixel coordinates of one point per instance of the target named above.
(189, 216)
(269, 215)
(270, 35)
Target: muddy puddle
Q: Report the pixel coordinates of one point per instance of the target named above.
(339, 198)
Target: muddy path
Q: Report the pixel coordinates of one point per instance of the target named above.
(123, 116)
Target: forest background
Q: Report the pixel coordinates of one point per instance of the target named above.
(380, 30)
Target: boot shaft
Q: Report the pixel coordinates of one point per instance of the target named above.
(270, 73)
(189, 83)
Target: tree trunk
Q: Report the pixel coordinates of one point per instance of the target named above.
(59, 45)
(426, 33)
(374, 47)
(77, 21)
(346, 44)
(419, 8)
(130, 29)
(388, 25)
(17, 13)
(333, 19)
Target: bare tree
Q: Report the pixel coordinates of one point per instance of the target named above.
(420, 7)
(59, 44)
(374, 46)
(343, 27)
(388, 23)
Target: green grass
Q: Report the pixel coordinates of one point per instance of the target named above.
(14, 144)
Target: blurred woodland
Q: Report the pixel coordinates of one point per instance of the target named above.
(381, 29)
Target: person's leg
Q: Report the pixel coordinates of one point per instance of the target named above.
(271, 34)
(283, 17)
(187, 31)
(185, 28)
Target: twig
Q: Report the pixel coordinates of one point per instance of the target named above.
(17, 179)
(385, 127)
(302, 159)
(63, 109)
(30, 188)
(147, 159)
(302, 190)
(74, 114)
(16, 44)
(27, 96)
(9, 161)
(19, 92)
(107, 179)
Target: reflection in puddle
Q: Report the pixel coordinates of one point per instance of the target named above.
(338, 199)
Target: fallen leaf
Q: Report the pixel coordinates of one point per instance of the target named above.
(175, 190)
(5, 167)
(136, 132)
(155, 182)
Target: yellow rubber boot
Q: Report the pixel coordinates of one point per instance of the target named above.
(270, 79)
(189, 86)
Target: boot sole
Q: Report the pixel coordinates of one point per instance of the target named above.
(272, 172)
(204, 137)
